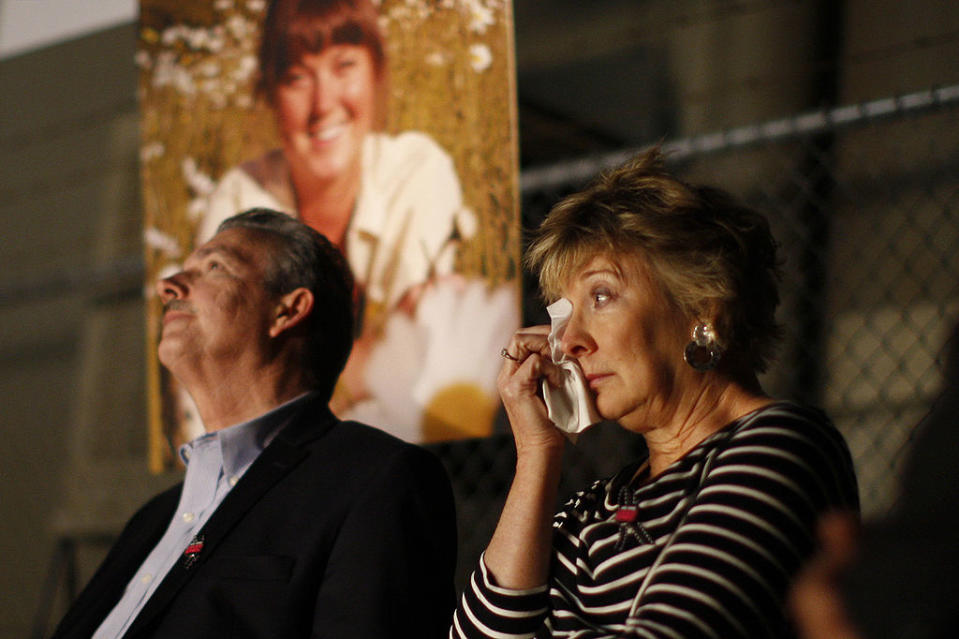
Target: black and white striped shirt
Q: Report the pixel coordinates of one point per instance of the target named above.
(736, 517)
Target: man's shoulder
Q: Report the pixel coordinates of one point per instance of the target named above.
(355, 444)
(351, 460)
(357, 439)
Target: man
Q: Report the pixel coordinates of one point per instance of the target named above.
(289, 523)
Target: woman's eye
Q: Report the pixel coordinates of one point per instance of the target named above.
(293, 77)
(346, 62)
(213, 265)
(601, 296)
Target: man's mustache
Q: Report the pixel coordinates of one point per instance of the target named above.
(178, 305)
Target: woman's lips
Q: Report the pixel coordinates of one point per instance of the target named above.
(595, 379)
(327, 134)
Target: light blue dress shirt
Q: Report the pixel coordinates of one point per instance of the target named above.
(215, 462)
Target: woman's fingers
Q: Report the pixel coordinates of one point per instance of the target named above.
(526, 364)
(527, 360)
(527, 341)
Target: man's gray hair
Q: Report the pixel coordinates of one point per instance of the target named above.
(300, 256)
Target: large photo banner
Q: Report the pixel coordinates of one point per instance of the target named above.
(387, 125)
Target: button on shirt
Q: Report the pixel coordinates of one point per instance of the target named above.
(214, 464)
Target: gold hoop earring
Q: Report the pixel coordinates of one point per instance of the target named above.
(702, 352)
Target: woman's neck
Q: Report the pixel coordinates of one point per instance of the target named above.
(698, 417)
(327, 205)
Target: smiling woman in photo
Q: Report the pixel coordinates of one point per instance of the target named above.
(391, 203)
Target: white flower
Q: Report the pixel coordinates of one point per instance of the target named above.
(216, 93)
(183, 81)
(480, 17)
(467, 324)
(168, 72)
(172, 34)
(451, 343)
(391, 369)
(480, 57)
(256, 6)
(164, 242)
(151, 151)
(437, 59)
(245, 68)
(217, 39)
(223, 5)
(209, 69)
(196, 208)
(142, 59)
(200, 183)
(238, 27)
(196, 39)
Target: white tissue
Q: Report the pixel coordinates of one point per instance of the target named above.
(570, 406)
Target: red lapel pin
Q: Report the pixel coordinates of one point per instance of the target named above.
(192, 551)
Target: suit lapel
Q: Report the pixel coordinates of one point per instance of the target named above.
(276, 460)
(107, 585)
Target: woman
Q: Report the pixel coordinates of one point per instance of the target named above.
(673, 293)
(393, 204)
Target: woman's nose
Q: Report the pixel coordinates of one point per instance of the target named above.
(324, 94)
(575, 340)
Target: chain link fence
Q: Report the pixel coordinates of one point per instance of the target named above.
(864, 201)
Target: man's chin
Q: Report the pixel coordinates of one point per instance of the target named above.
(168, 353)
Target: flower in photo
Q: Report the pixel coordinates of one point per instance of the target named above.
(163, 242)
(481, 16)
(151, 151)
(480, 57)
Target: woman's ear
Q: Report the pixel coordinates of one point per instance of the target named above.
(291, 310)
(709, 313)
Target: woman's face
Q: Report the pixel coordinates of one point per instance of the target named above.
(325, 106)
(629, 341)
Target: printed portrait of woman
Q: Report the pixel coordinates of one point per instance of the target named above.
(354, 151)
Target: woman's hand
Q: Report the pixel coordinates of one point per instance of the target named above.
(519, 383)
(519, 553)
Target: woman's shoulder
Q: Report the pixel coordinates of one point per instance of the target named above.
(791, 439)
(260, 178)
(783, 424)
(404, 142)
(402, 155)
(788, 418)
(261, 181)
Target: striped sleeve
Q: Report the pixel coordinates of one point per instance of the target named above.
(750, 527)
(488, 610)
(720, 536)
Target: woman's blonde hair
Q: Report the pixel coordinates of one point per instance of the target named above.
(712, 257)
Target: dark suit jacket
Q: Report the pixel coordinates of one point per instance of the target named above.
(336, 530)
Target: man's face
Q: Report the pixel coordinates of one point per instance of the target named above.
(217, 309)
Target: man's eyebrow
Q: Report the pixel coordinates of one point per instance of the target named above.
(228, 252)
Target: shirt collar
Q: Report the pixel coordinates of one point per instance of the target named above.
(369, 213)
(242, 443)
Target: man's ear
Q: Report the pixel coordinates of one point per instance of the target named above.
(290, 310)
